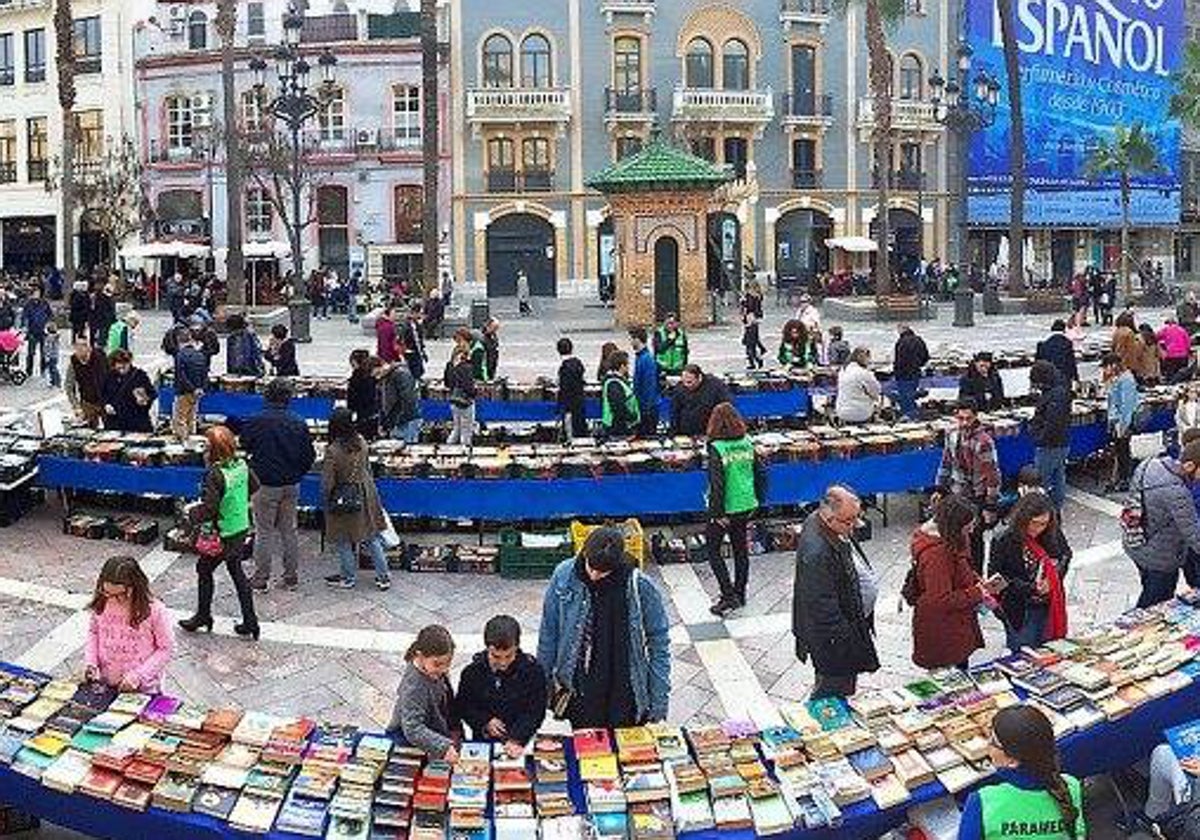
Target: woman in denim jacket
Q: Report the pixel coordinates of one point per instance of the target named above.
(603, 639)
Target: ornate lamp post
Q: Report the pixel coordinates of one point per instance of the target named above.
(965, 104)
(295, 104)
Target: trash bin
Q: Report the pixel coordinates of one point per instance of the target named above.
(964, 307)
(481, 312)
(991, 301)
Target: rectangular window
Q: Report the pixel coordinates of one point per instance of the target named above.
(535, 164)
(180, 133)
(253, 113)
(7, 74)
(736, 151)
(35, 55)
(87, 45)
(409, 213)
(89, 135)
(332, 118)
(406, 115)
(8, 151)
(258, 212)
(501, 174)
(35, 147)
(804, 163)
(256, 26)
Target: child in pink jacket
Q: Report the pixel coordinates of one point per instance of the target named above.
(130, 637)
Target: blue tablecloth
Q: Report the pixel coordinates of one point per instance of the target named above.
(640, 494)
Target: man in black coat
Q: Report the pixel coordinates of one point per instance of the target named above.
(102, 314)
(693, 400)
(1050, 428)
(909, 358)
(281, 452)
(502, 692)
(1058, 350)
(830, 622)
(982, 384)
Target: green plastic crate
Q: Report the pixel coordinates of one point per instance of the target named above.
(520, 562)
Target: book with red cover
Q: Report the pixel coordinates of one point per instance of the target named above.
(132, 795)
(429, 801)
(146, 772)
(591, 742)
(101, 782)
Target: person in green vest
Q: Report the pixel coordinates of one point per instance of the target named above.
(737, 484)
(1034, 798)
(120, 333)
(670, 347)
(619, 412)
(479, 358)
(224, 505)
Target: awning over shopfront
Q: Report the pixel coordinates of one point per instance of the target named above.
(852, 244)
(157, 250)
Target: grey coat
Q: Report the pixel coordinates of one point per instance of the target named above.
(344, 467)
(1170, 521)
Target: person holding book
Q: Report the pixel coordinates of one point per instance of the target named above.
(423, 716)
(502, 692)
(1031, 555)
(1033, 792)
(130, 639)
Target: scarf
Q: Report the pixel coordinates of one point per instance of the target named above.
(1056, 598)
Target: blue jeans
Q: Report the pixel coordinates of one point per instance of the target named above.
(1051, 465)
(906, 396)
(409, 432)
(1032, 632)
(348, 557)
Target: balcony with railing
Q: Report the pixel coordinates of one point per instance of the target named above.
(525, 181)
(806, 109)
(804, 11)
(167, 153)
(88, 64)
(518, 105)
(626, 106)
(807, 179)
(7, 76)
(536, 180)
(907, 115)
(755, 107)
(327, 29)
(902, 180)
(8, 172)
(22, 5)
(608, 8)
(501, 180)
(37, 170)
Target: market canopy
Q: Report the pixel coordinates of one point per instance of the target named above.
(171, 248)
(853, 244)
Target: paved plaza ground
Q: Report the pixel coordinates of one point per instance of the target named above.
(336, 655)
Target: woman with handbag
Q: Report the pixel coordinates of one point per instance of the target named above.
(353, 514)
(225, 503)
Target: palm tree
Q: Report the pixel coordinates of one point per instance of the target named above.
(1185, 103)
(64, 34)
(879, 15)
(429, 143)
(235, 277)
(1128, 153)
(1016, 150)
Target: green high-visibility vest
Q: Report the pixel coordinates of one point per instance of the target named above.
(737, 459)
(631, 403)
(479, 361)
(673, 357)
(116, 337)
(233, 516)
(1009, 812)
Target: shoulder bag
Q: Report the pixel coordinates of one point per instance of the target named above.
(346, 497)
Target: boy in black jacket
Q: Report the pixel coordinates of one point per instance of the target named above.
(502, 693)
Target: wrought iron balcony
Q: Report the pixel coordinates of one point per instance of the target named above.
(35, 73)
(8, 172)
(512, 181)
(518, 105)
(7, 76)
(37, 170)
(608, 8)
(630, 105)
(501, 180)
(325, 29)
(904, 180)
(537, 180)
(166, 153)
(723, 106)
(807, 179)
(907, 115)
(808, 109)
(88, 64)
(804, 11)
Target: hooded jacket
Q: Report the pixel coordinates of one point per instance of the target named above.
(945, 626)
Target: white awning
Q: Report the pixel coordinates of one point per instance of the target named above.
(853, 244)
(259, 251)
(172, 248)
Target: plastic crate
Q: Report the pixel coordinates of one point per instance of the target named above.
(635, 538)
(518, 561)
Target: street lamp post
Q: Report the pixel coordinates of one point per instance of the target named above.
(965, 105)
(295, 104)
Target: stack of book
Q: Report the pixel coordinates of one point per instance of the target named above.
(469, 785)
(430, 801)
(550, 789)
(514, 817)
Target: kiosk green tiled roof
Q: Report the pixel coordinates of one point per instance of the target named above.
(660, 167)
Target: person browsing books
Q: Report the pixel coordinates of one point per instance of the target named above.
(1032, 556)
(502, 692)
(130, 639)
(423, 716)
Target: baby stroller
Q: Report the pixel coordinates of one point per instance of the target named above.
(10, 357)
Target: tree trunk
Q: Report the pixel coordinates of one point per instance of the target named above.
(1016, 152)
(235, 273)
(64, 35)
(1126, 280)
(879, 73)
(430, 147)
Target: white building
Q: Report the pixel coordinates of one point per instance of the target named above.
(31, 125)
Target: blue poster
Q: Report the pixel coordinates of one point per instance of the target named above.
(1086, 66)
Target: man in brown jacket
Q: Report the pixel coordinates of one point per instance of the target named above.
(84, 382)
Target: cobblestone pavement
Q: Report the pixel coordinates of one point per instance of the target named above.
(337, 655)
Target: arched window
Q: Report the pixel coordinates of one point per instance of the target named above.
(197, 31)
(910, 77)
(735, 65)
(535, 62)
(497, 62)
(698, 64)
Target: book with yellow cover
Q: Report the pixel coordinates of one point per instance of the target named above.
(599, 768)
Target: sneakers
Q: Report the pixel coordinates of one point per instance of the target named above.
(724, 605)
(383, 584)
(338, 582)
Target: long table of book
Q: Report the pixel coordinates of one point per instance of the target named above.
(612, 494)
(132, 766)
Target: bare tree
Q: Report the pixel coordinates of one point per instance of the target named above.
(235, 278)
(430, 145)
(113, 193)
(64, 34)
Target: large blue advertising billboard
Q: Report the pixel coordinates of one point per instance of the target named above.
(1087, 66)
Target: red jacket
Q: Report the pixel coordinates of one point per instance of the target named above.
(945, 625)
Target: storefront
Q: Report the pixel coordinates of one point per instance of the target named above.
(29, 243)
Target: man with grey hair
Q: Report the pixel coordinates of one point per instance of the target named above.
(830, 620)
